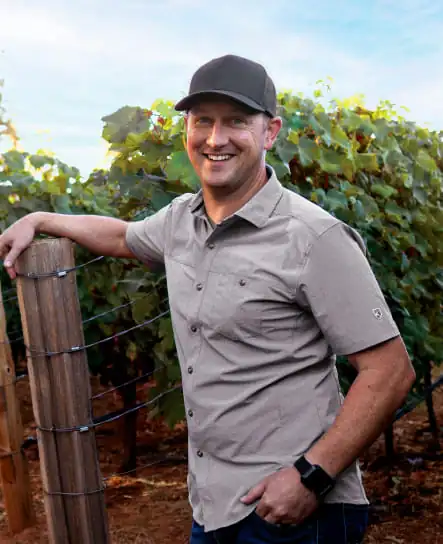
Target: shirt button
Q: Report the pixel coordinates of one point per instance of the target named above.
(190, 413)
(190, 370)
(194, 328)
(211, 245)
(199, 286)
(242, 282)
(199, 453)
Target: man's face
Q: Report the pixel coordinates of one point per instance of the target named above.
(226, 144)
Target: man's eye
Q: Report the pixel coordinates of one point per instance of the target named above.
(203, 121)
(237, 121)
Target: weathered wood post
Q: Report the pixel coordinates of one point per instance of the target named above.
(61, 393)
(13, 464)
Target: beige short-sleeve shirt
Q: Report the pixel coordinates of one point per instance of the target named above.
(261, 305)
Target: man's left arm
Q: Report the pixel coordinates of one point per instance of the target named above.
(385, 375)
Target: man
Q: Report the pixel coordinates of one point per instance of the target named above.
(265, 288)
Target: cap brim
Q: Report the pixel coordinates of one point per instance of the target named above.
(189, 101)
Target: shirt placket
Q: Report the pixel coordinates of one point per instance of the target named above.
(202, 461)
(205, 258)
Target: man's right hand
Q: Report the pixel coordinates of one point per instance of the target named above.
(99, 234)
(15, 240)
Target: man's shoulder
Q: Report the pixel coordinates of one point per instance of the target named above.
(310, 222)
(306, 214)
(183, 201)
(180, 205)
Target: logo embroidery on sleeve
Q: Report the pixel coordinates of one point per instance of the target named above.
(378, 314)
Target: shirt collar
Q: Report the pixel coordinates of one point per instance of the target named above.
(196, 203)
(258, 209)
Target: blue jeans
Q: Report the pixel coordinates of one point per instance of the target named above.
(331, 524)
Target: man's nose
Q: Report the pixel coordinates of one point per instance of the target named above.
(218, 137)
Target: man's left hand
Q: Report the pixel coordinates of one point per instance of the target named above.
(282, 498)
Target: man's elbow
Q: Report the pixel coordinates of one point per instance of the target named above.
(120, 249)
(406, 376)
(401, 369)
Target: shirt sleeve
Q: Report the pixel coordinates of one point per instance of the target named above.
(340, 289)
(147, 238)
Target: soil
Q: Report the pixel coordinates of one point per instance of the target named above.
(151, 506)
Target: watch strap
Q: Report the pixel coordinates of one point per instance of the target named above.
(314, 478)
(302, 465)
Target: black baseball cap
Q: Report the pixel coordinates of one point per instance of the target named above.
(241, 79)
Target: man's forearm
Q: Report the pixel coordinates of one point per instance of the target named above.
(101, 235)
(367, 410)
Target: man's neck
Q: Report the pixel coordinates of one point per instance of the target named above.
(220, 204)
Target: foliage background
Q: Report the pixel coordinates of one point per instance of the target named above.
(374, 169)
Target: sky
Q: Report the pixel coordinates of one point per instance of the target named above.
(67, 64)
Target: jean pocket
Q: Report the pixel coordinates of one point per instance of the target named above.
(266, 532)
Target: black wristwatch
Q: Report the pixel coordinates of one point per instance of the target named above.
(314, 477)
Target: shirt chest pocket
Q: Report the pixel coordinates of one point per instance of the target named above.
(242, 308)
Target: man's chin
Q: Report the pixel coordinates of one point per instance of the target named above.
(216, 182)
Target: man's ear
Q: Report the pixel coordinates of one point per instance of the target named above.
(185, 132)
(273, 128)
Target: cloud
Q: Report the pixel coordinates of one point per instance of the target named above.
(30, 25)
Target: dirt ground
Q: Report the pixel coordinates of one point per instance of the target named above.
(151, 506)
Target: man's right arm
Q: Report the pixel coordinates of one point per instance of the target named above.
(98, 234)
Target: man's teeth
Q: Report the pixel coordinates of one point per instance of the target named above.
(219, 157)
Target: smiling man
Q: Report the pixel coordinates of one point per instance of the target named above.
(265, 289)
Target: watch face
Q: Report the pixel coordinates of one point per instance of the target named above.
(318, 481)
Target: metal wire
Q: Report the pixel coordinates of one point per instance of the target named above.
(75, 494)
(129, 382)
(141, 467)
(60, 273)
(31, 440)
(410, 406)
(75, 349)
(147, 465)
(9, 299)
(109, 311)
(13, 341)
(108, 418)
(8, 291)
(25, 445)
(15, 331)
(5, 454)
(88, 320)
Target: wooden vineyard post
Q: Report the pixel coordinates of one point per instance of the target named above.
(61, 393)
(13, 464)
